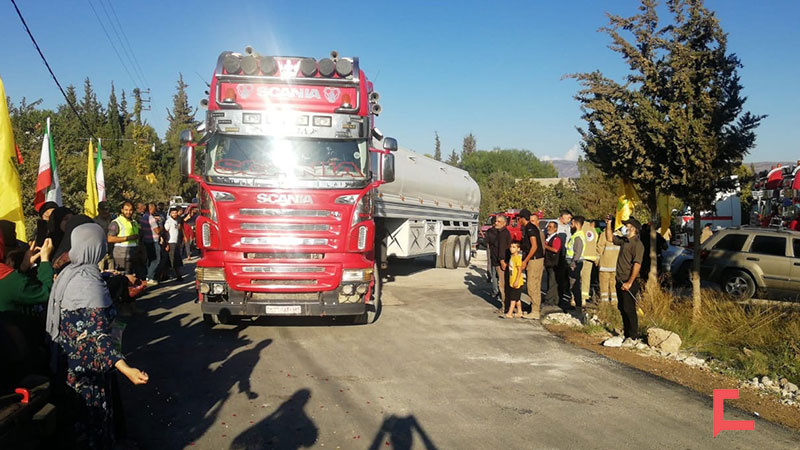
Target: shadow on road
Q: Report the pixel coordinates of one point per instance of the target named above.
(193, 372)
(398, 433)
(288, 427)
(478, 286)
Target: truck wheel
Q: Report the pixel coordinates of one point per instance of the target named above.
(466, 250)
(452, 252)
(440, 256)
(739, 284)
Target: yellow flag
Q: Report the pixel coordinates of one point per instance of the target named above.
(90, 204)
(626, 201)
(10, 193)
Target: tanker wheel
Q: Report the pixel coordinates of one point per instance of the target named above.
(466, 250)
(452, 252)
(440, 256)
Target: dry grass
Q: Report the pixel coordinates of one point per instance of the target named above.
(752, 340)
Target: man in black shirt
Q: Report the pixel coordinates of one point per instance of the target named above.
(499, 242)
(629, 263)
(532, 260)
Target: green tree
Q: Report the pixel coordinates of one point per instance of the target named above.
(181, 117)
(453, 159)
(437, 145)
(626, 122)
(709, 132)
(469, 146)
(595, 191)
(520, 163)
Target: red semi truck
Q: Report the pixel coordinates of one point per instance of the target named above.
(290, 170)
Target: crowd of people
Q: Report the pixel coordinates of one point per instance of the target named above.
(567, 262)
(60, 294)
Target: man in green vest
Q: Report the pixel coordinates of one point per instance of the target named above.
(574, 253)
(123, 234)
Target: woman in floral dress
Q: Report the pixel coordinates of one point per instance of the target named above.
(79, 320)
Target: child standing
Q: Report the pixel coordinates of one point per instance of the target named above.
(514, 282)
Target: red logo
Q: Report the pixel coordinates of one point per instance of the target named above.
(720, 424)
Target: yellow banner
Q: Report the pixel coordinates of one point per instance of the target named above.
(90, 204)
(626, 202)
(10, 192)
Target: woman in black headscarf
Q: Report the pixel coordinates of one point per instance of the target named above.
(61, 255)
(56, 225)
(41, 223)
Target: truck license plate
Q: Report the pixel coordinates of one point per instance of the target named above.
(284, 310)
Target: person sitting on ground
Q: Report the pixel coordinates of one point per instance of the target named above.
(514, 282)
(18, 290)
(79, 320)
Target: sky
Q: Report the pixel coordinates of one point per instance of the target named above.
(494, 69)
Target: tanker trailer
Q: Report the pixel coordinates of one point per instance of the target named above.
(431, 208)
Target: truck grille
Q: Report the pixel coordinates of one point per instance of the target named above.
(271, 212)
(284, 255)
(284, 282)
(281, 269)
(285, 227)
(292, 297)
(283, 241)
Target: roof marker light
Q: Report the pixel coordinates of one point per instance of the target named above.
(344, 67)
(308, 67)
(268, 65)
(232, 64)
(326, 67)
(249, 65)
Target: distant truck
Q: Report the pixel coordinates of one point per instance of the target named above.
(513, 225)
(300, 205)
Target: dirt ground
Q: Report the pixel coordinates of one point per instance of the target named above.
(701, 380)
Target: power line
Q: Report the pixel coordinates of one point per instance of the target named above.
(103, 27)
(35, 44)
(121, 43)
(125, 36)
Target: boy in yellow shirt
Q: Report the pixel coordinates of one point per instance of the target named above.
(514, 282)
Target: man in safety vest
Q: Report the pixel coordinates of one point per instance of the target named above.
(574, 260)
(589, 258)
(123, 234)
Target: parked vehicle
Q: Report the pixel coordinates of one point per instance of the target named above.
(750, 260)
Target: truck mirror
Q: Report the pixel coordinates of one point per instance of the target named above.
(390, 144)
(186, 136)
(387, 172)
(186, 159)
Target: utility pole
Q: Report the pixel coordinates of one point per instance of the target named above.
(145, 101)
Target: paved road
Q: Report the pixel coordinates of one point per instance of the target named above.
(438, 370)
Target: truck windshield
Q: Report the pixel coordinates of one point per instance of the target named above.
(287, 159)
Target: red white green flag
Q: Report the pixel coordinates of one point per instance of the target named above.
(48, 188)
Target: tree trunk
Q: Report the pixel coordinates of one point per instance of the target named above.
(652, 277)
(696, 263)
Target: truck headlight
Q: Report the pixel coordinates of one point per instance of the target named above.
(217, 288)
(348, 289)
(356, 275)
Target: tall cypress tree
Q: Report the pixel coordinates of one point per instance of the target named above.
(469, 146)
(437, 145)
(181, 117)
